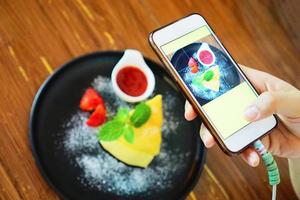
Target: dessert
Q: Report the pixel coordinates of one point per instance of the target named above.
(139, 139)
(210, 79)
(133, 137)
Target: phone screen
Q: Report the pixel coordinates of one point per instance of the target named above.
(212, 77)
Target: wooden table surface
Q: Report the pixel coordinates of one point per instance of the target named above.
(38, 36)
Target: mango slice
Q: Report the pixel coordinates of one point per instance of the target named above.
(147, 139)
(214, 82)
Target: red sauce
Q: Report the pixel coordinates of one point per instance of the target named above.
(206, 57)
(132, 81)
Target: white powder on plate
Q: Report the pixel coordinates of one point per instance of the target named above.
(102, 171)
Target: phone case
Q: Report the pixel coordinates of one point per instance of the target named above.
(188, 96)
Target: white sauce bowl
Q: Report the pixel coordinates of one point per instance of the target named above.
(133, 58)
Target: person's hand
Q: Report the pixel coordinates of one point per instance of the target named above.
(276, 97)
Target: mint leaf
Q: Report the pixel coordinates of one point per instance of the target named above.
(122, 124)
(111, 130)
(140, 115)
(122, 114)
(197, 81)
(129, 133)
(208, 75)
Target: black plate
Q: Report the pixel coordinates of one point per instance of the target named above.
(66, 171)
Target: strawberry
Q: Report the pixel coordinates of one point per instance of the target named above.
(90, 100)
(194, 69)
(192, 62)
(98, 117)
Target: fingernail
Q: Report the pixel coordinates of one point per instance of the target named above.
(187, 106)
(251, 113)
(253, 159)
(185, 110)
(205, 140)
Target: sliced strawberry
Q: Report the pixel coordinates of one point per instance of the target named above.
(194, 69)
(192, 62)
(90, 100)
(98, 117)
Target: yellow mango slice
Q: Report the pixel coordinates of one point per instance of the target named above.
(214, 83)
(147, 139)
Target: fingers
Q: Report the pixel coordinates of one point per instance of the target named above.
(279, 102)
(189, 113)
(263, 81)
(251, 157)
(206, 137)
(265, 105)
(256, 77)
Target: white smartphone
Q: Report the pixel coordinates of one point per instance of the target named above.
(211, 81)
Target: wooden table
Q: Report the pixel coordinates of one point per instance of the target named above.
(38, 36)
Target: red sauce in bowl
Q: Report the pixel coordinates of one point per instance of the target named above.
(132, 81)
(206, 57)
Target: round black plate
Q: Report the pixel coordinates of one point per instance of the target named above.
(56, 103)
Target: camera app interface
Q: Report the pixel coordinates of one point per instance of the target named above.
(212, 78)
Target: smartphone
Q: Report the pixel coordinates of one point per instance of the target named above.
(210, 80)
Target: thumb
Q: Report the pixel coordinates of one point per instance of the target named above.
(278, 102)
